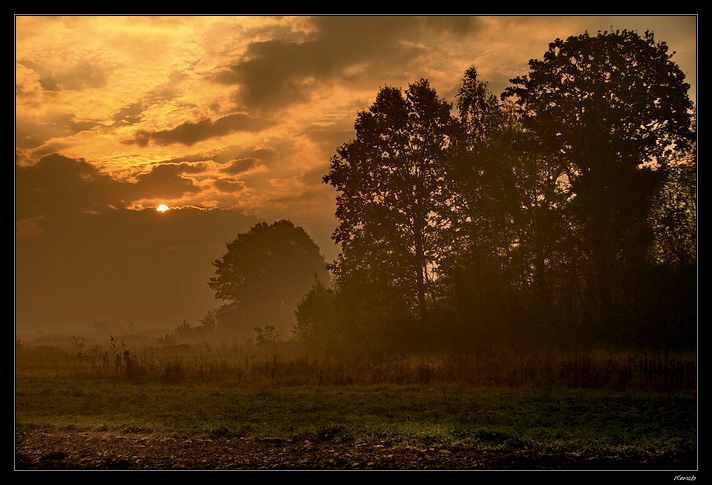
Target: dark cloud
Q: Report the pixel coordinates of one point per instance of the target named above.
(165, 180)
(57, 184)
(83, 258)
(314, 176)
(239, 166)
(280, 72)
(86, 262)
(130, 115)
(263, 153)
(190, 133)
(329, 137)
(229, 186)
(27, 136)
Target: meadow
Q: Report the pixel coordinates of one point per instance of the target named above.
(635, 409)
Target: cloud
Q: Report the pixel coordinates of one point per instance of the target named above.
(77, 77)
(314, 176)
(190, 133)
(167, 181)
(241, 165)
(228, 186)
(279, 72)
(129, 115)
(58, 184)
(31, 134)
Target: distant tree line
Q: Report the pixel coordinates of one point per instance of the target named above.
(562, 211)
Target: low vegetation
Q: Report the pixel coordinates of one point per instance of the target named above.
(490, 367)
(628, 406)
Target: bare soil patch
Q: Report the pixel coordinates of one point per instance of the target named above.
(52, 449)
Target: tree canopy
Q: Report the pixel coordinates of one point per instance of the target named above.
(548, 212)
(392, 190)
(264, 274)
(614, 111)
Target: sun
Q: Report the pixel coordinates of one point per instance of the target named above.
(162, 208)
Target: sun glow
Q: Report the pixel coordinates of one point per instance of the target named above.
(162, 208)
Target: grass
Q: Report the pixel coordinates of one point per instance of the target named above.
(535, 368)
(595, 402)
(554, 420)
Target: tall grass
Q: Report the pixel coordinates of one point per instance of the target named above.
(619, 371)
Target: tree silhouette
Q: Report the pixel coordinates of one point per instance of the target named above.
(317, 317)
(264, 274)
(561, 205)
(675, 214)
(614, 108)
(391, 190)
(506, 215)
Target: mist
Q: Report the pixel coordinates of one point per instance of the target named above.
(121, 270)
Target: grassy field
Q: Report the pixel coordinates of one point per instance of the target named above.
(593, 404)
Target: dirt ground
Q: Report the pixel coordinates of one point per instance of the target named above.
(43, 449)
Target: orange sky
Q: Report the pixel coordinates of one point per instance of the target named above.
(244, 112)
(253, 106)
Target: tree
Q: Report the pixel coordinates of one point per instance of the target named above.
(675, 214)
(263, 275)
(390, 181)
(614, 109)
(482, 209)
(507, 217)
(317, 318)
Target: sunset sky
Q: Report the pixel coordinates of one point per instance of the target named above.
(227, 112)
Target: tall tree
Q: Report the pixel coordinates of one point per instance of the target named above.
(482, 209)
(264, 274)
(614, 108)
(508, 207)
(390, 181)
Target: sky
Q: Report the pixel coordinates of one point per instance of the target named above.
(227, 120)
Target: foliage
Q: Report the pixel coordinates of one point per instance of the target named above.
(674, 216)
(562, 213)
(263, 274)
(507, 220)
(317, 320)
(614, 109)
(555, 214)
(392, 187)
